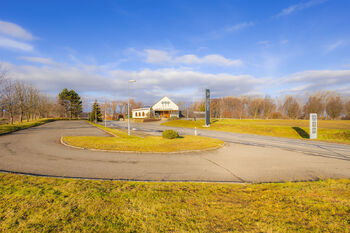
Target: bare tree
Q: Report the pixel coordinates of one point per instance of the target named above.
(268, 107)
(334, 107)
(3, 75)
(347, 109)
(9, 99)
(314, 105)
(291, 107)
(21, 92)
(255, 107)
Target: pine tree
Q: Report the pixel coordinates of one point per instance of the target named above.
(71, 102)
(95, 113)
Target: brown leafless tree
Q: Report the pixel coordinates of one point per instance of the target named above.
(9, 99)
(334, 107)
(314, 105)
(291, 107)
(347, 109)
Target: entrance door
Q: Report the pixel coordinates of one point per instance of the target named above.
(165, 114)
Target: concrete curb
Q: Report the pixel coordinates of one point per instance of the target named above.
(143, 152)
(125, 180)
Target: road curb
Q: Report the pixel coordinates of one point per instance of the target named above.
(125, 179)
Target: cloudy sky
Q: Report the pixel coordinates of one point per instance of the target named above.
(178, 48)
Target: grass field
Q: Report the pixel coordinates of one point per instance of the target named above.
(123, 142)
(33, 204)
(8, 128)
(328, 130)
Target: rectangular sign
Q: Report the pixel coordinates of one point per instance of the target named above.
(207, 107)
(313, 126)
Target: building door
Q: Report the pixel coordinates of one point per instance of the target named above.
(165, 114)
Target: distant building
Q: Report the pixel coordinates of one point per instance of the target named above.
(164, 108)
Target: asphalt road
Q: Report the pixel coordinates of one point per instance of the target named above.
(38, 151)
(312, 147)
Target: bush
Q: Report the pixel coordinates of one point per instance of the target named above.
(170, 134)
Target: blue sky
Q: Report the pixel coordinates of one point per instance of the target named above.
(178, 48)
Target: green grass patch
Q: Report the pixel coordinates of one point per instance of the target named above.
(8, 128)
(331, 131)
(34, 204)
(123, 142)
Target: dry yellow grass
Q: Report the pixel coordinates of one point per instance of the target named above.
(332, 131)
(123, 142)
(34, 204)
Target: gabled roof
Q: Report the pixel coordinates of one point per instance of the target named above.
(165, 97)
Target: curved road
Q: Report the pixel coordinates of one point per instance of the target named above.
(38, 151)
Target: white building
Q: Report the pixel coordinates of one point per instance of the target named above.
(164, 108)
(141, 113)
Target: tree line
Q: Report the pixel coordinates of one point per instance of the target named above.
(327, 105)
(115, 109)
(24, 102)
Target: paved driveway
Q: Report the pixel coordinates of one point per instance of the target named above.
(38, 151)
(319, 148)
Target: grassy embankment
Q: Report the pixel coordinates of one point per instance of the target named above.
(33, 204)
(123, 142)
(8, 128)
(328, 130)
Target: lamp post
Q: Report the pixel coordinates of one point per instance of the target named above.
(105, 113)
(96, 113)
(130, 81)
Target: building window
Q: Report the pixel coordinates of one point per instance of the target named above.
(143, 113)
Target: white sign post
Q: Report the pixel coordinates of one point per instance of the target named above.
(313, 126)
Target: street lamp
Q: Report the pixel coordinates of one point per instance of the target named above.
(105, 113)
(130, 81)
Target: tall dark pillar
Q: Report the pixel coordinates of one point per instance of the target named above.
(207, 107)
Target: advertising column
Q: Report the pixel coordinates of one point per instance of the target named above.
(313, 126)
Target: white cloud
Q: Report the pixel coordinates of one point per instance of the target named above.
(284, 42)
(163, 57)
(41, 60)
(240, 26)
(150, 85)
(298, 7)
(315, 80)
(14, 44)
(220, 60)
(334, 46)
(157, 56)
(14, 30)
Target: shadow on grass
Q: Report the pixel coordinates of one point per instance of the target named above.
(301, 132)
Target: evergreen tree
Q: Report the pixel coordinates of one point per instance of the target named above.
(64, 100)
(71, 102)
(75, 104)
(95, 114)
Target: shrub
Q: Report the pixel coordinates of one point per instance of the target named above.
(170, 134)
